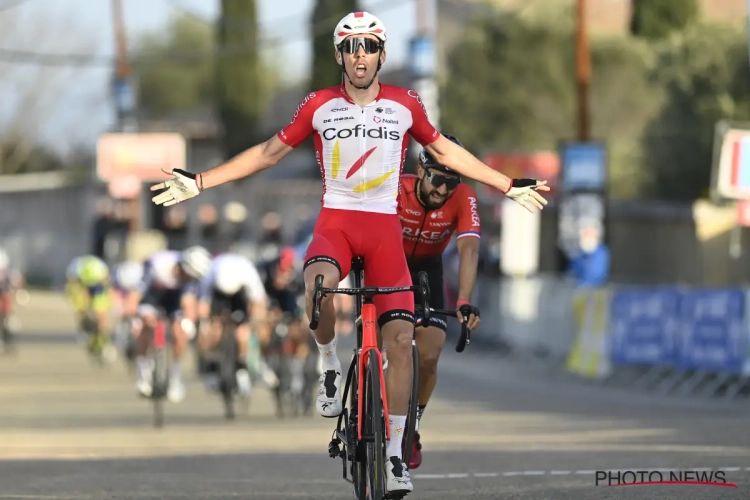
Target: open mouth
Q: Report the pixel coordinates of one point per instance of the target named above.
(360, 70)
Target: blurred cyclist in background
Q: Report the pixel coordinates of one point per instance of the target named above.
(233, 285)
(89, 288)
(291, 352)
(10, 281)
(127, 279)
(169, 287)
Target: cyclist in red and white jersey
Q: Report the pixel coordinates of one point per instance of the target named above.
(360, 131)
(435, 206)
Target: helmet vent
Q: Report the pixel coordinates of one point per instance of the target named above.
(347, 26)
(374, 23)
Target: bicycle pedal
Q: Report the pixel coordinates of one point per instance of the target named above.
(334, 448)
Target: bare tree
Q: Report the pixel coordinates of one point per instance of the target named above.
(38, 90)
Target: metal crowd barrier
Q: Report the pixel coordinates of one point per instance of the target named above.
(676, 341)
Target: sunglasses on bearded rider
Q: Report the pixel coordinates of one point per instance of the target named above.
(352, 45)
(437, 180)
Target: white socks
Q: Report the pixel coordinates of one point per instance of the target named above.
(175, 371)
(397, 424)
(328, 356)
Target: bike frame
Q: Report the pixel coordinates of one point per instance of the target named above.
(160, 334)
(369, 343)
(366, 317)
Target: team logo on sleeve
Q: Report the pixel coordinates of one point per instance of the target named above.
(413, 94)
(307, 99)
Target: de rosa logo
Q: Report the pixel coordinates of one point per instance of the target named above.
(695, 477)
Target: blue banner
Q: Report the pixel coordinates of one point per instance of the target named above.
(422, 57)
(584, 166)
(714, 332)
(643, 326)
(705, 329)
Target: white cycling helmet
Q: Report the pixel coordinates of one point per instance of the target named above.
(129, 275)
(4, 259)
(359, 23)
(228, 280)
(196, 261)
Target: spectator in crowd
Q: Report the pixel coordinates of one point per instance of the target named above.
(590, 266)
(209, 227)
(103, 222)
(235, 214)
(175, 227)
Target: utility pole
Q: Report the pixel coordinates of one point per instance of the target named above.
(423, 17)
(583, 71)
(423, 63)
(124, 97)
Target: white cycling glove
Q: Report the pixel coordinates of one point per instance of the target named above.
(181, 187)
(524, 192)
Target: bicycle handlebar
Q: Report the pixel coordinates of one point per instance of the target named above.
(465, 338)
(368, 291)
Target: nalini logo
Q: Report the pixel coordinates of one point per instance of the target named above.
(377, 119)
(659, 477)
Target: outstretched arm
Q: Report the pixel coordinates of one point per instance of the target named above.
(460, 160)
(255, 159)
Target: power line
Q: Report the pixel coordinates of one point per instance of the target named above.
(96, 60)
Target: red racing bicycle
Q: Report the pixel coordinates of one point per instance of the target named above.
(361, 432)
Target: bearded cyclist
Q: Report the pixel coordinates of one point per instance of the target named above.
(435, 206)
(360, 131)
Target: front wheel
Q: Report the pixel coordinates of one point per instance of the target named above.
(228, 370)
(373, 431)
(411, 420)
(160, 385)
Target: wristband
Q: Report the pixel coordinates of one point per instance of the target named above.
(460, 303)
(200, 185)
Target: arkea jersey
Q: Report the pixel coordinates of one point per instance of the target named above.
(360, 149)
(428, 232)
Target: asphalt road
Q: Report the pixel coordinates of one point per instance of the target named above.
(69, 430)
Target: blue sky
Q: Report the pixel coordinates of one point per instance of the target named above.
(82, 109)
